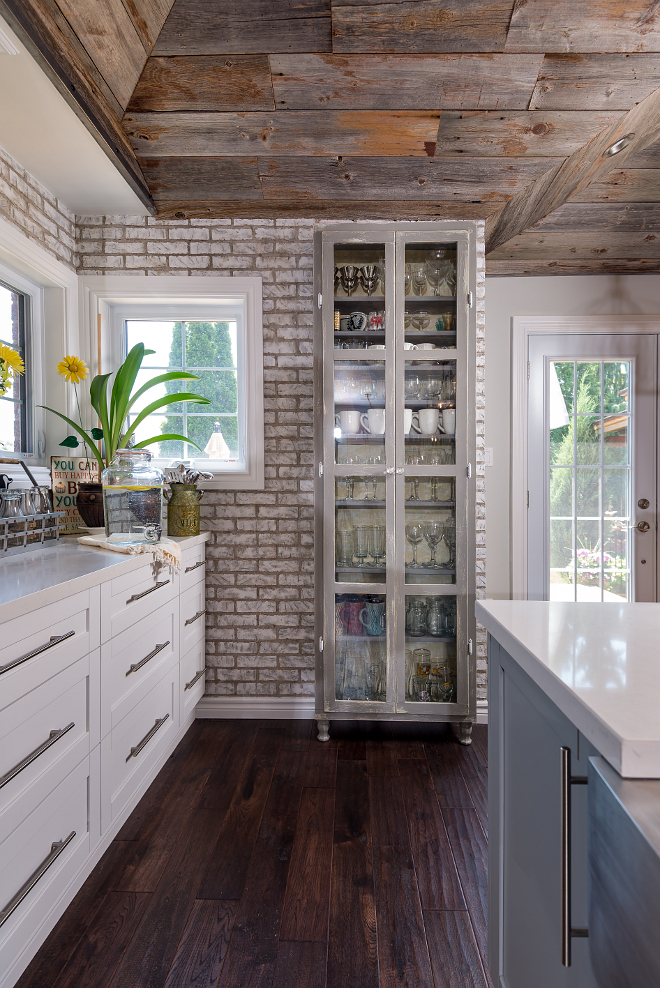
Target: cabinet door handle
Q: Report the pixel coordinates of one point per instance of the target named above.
(50, 740)
(193, 619)
(55, 850)
(147, 738)
(192, 682)
(189, 569)
(138, 665)
(567, 931)
(53, 641)
(139, 596)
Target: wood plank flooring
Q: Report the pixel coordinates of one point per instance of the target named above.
(261, 858)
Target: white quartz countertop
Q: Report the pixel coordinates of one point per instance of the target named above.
(599, 663)
(35, 579)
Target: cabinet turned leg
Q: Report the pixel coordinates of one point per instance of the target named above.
(324, 730)
(466, 732)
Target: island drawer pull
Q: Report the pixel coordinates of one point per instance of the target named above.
(52, 738)
(147, 738)
(56, 849)
(195, 618)
(567, 931)
(139, 596)
(138, 665)
(189, 569)
(192, 682)
(51, 643)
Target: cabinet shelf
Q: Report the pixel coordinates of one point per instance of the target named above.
(412, 335)
(363, 503)
(428, 639)
(416, 571)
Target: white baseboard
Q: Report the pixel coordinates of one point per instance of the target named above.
(275, 708)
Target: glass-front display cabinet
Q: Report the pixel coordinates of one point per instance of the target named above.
(395, 478)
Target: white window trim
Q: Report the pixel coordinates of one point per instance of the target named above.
(103, 299)
(54, 288)
(522, 328)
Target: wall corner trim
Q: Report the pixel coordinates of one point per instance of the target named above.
(255, 708)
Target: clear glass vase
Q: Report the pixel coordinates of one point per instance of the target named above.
(132, 497)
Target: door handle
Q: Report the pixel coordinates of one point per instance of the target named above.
(567, 931)
(642, 526)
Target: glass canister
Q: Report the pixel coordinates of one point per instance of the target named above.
(132, 497)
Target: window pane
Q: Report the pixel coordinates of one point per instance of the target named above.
(217, 437)
(162, 337)
(13, 427)
(221, 387)
(564, 373)
(588, 439)
(588, 388)
(210, 344)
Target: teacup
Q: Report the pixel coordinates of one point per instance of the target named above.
(426, 421)
(448, 421)
(373, 421)
(343, 324)
(348, 421)
(410, 346)
(407, 420)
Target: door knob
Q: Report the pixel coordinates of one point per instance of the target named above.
(643, 526)
(643, 502)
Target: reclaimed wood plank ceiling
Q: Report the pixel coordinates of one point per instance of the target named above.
(493, 109)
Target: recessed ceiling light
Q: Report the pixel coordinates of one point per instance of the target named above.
(619, 145)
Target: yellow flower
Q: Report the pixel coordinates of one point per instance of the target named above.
(73, 369)
(10, 360)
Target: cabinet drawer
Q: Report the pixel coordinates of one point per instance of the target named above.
(192, 616)
(134, 661)
(39, 859)
(128, 598)
(131, 751)
(192, 685)
(193, 567)
(43, 736)
(37, 646)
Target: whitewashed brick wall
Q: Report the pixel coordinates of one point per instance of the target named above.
(37, 213)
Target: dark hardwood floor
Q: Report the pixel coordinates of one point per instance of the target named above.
(261, 858)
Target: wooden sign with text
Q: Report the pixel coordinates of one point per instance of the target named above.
(67, 472)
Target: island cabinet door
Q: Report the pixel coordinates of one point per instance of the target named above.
(531, 735)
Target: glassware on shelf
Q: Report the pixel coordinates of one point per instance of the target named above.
(419, 283)
(420, 689)
(413, 386)
(416, 618)
(433, 534)
(435, 617)
(414, 535)
(379, 544)
(372, 616)
(337, 279)
(363, 543)
(348, 278)
(350, 485)
(370, 276)
(344, 547)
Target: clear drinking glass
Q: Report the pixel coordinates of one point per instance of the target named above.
(433, 533)
(363, 543)
(379, 545)
(419, 283)
(414, 535)
(344, 547)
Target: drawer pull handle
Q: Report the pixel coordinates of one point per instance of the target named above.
(138, 665)
(52, 738)
(567, 930)
(139, 596)
(51, 643)
(55, 850)
(192, 682)
(147, 738)
(189, 569)
(195, 618)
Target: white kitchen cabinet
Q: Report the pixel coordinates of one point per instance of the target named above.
(96, 690)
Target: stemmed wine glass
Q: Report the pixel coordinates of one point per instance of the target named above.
(369, 277)
(407, 279)
(348, 277)
(363, 543)
(433, 533)
(379, 545)
(349, 481)
(414, 535)
(419, 282)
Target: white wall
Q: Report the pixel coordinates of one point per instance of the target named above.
(588, 295)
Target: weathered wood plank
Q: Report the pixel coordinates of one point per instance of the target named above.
(595, 82)
(322, 209)
(148, 17)
(517, 268)
(438, 179)
(204, 82)
(624, 185)
(580, 244)
(546, 193)
(110, 36)
(292, 132)
(403, 956)
(410, 26)
(205, 27)
(531, 133)
(399, 82)
(202, 178)
(584, 26)
(605, 218)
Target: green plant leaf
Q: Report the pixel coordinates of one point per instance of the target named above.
(167, 435)
(81, 432)
(163, 379)
(70, 441)
(121, 392)
(161, 403)
(96, 433)
(98, 392)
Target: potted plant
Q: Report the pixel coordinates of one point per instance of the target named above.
(113, 411)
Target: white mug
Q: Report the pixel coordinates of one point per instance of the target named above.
(373, 421)
(448, 421)
(376, 346)
(407, 420)
(426, 421)
(348, 421)
(410, 346)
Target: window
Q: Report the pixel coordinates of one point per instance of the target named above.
(210, 327)
(14, 418)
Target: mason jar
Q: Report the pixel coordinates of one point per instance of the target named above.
(132, 497)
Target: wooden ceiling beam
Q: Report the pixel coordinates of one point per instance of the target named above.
(322, 209)
(570, 266)
(579, 170)
(583, 244)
